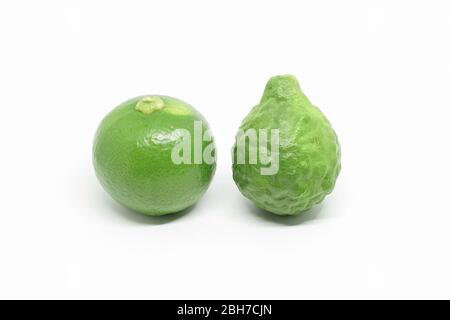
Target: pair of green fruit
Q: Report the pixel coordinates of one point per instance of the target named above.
(136, 143)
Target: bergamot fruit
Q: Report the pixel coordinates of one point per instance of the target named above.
(289, 174)
(154, 154)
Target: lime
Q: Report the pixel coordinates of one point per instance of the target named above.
(287, 156)
(154, 154)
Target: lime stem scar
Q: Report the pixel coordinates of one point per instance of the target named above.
(148, 104)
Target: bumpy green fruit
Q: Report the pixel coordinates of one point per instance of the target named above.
(133, 155)
(308, 153)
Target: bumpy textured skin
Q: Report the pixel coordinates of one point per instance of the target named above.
(309, 152)
(132, 158)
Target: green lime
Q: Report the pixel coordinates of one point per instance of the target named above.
(154, 154)
(286, 157)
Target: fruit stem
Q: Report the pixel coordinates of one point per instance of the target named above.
(148, 104)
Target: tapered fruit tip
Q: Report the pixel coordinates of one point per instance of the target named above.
(148, 104)
(282, 86)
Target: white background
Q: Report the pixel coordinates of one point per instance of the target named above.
(379, 70)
